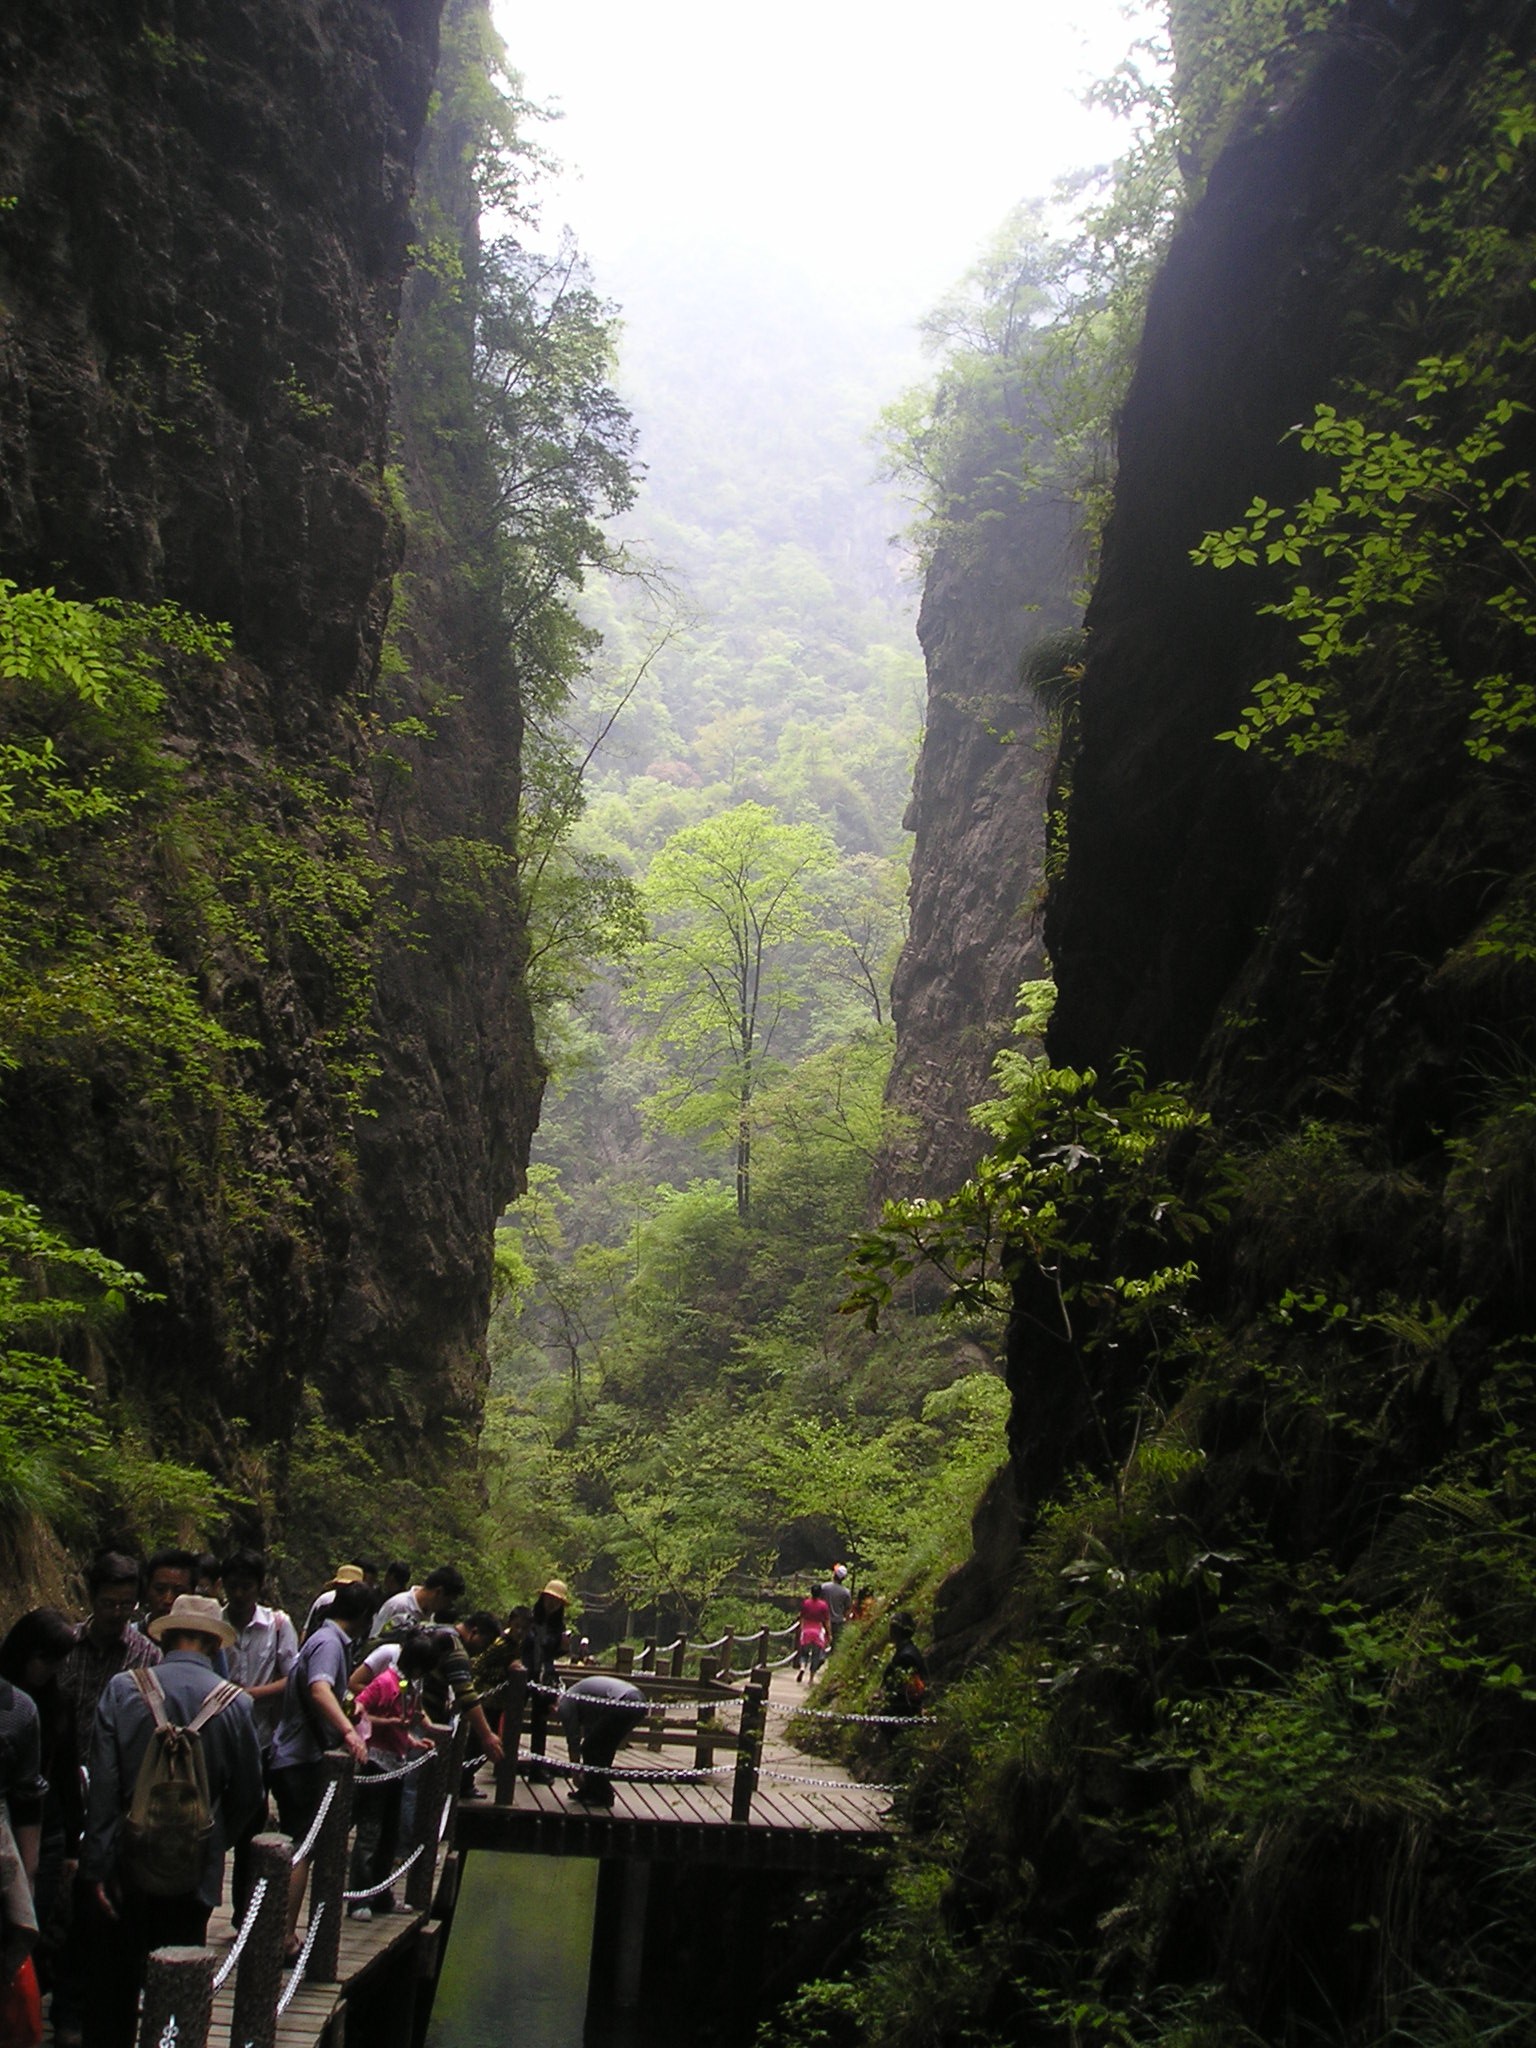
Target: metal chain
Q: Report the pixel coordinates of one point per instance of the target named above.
(221, 1975)
(826, 1784)
(366, 1780)
(297, 1977)
(850, 1720)
(373, 1891)
(639, 1771)
(318, 1823)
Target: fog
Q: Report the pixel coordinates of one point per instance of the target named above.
(872, 148)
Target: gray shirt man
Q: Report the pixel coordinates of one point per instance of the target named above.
(119, 1739)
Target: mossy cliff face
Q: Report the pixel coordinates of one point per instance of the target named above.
(993, 590)
(1235, 1738)
(207, 223)
(456, 1098)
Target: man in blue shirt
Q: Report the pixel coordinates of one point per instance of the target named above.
(313, 1721)
(126, 1922)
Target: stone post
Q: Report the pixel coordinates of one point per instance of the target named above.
(178, 1998)
(259, 1972)
(328, 1873)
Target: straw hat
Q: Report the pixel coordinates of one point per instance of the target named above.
(557, 1589)
(191, 1611)
(345, 1575)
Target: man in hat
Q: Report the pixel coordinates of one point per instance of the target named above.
(127, 1923)
(542, 1644)
(344, 1575)
(838, 1595)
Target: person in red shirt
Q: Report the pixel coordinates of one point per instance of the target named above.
(815, 1635)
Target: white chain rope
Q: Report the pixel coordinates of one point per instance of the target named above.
(297, 1976)
(851, 1720)
(366, 1780)
(222, 1974)
(317, 1824)
(826, 1784)
(651, 1775)
(168, 2036)
(394, 1877)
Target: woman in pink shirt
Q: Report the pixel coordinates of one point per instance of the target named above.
(386, 1710)
(815, 1635)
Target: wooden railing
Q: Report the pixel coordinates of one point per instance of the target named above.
(182, 1983)
(682, 1713)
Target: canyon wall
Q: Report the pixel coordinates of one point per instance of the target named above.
(207, 221)
(994, 590)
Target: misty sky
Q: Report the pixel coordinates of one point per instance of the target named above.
(876, 146)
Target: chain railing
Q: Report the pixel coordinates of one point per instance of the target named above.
(182, 1983)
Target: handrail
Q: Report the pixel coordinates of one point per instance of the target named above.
(181, 1983)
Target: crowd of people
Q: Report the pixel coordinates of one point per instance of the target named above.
(185, 1639)
(92, 1879)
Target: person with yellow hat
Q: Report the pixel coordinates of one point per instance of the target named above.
(344, 1575)
(542, 1644)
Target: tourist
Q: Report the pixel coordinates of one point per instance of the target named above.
(264, 1651)
(838, 1595)
(542, 1645)
(450, 1683)
(313, 1721)
(209, 1577)
(127, 1921)
(30, 1657)
(596, 1714)
(814, 1637)
(388, 1708)
(904, 1682)
(505, 1654)
(432, 1600)
(22, 1784)
(397, 1577)
(107, 1642)
(344, 1575)
(168, 1574)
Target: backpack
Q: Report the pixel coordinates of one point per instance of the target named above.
(170, 1816)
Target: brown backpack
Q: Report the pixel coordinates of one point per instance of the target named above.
(170, 1816)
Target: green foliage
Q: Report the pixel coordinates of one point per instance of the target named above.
(1416, 545)
(734, 924)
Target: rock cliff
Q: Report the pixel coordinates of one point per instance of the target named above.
(993, 591)
(207, 222)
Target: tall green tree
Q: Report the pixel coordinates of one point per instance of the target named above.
(735, 928)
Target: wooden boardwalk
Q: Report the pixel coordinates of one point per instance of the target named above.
(803, 1814)
(818, 1822)
(367, 1948)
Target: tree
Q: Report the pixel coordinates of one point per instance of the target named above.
(734, 926)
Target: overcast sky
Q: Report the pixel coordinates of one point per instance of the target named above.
(875, 145)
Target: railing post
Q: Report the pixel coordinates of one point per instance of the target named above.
(762, 1648)
(458, 1749)
(328, 1872)
(624, 1659)
(259, 1972)
(753, 1715)
(178, 1998)
(421, 1876)
(727, 1653)
(516, 1705)
(679, 1656)
(704, 1748)
(648, 1655)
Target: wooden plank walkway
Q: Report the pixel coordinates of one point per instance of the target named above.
(364, 1945)
(823, 1824)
